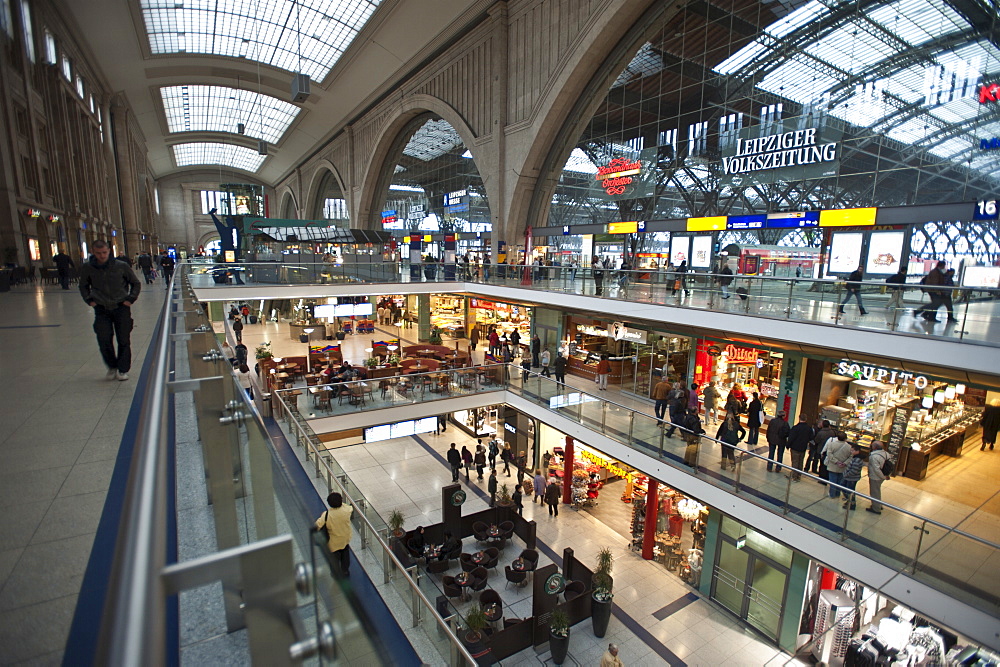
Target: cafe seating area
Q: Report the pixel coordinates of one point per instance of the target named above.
(498, 569)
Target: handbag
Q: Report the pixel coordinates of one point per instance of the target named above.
(677, 284)
(324, 531)
(762, 415)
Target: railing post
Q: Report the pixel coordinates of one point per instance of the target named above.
(920, 541)
(604, 414)
(363, 532)
(414, 595)
(739, 468)
(788, 308)
(631, 425)
(788, 492)
(847, 515)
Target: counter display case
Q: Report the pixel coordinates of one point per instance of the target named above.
(869, 407)
(929, 436)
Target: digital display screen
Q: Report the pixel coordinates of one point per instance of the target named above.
(981, 276)
(711, 224)
(746, 221)
(848, 217)
(328, 310)
(425, 425)
(623, 227)
(792, 220)
(701, 252)
(402, 429)
(679, 249)
(885, 250)
(362, 309)
(377, 433)
(344, 309)
(845, 253)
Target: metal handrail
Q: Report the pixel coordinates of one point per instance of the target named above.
(134, 621)
(360, 512)
(749, 454)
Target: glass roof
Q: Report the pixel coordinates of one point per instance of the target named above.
(432, 140)
(219, 109)
(229, 155)
(307, 36)
(935, 90)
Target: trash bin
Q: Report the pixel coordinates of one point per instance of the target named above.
(265, 405)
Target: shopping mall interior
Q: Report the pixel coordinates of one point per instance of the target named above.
(621, 329)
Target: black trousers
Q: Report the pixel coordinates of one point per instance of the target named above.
(342, 562)
(561, 377)
(111, 326)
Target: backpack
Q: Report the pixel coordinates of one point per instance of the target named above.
(887, 467)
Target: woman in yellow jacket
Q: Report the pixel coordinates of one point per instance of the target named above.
(337, 520)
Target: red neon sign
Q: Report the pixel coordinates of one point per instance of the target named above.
(989, 92)
(617, 175)
(740, 355)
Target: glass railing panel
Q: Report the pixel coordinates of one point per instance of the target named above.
(799, 299)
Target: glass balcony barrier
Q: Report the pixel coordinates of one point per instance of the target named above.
(892, 537)
(406, 587)
(968, 314)
(255, 538)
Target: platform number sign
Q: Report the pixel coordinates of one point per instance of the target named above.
(988, 209)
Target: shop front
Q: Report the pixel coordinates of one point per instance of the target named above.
(661, 523)
(918, 417)
(506, 318)
(845, 622)
(477, 422)
(447, 314)
(732, 366)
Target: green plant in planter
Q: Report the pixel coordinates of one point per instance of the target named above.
(263, 351)
(559, 623)
(396, 520)
(393, 359)
(504, 495)
(475, 619)
(603, 582)
(435, 338)
(371, 362)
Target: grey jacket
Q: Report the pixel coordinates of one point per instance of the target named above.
(108, 284)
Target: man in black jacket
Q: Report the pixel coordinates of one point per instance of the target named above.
(854, 289)
(110, 288)
(799, 438)
(63, 265)
(777, 439)
(455, 461)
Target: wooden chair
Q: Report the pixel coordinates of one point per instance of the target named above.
(323, 399)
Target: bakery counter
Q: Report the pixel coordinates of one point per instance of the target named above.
(913, 463)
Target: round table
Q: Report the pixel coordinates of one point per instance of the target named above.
(480, 557)
(493, 612)
(519, 565)
(464, 580)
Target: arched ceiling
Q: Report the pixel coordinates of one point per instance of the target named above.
(193, 70)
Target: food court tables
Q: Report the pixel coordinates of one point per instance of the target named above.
(464, 580)
(493, 612)
(480, 557)
(432, 551)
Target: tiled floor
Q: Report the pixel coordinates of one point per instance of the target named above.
(61, 424)
(408, 473)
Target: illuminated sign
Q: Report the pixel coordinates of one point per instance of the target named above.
(988, 209)
(712, 224)
(885, 375)
(54, 218)
(740, 355)
(619, 332)
(617, 175)
(746, 221)
(623, 227)
(33, 213)
(776, 151)
(455, 198)
(612, 467)
(848, 217)
(792, 220)
(989, 92)
(389, 218)
(989, 144)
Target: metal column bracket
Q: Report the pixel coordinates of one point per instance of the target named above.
(191, 384)
(325, 644)
(212, 355)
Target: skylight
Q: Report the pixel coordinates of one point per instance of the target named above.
(872, 46)
(307, 36)
(229, 155)
(221, 109)
(432, 140)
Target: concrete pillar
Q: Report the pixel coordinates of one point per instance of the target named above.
(649, 528)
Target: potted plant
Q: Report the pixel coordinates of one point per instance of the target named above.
(263, 351)
(503, 496)
(475, 619)
(371, 362)
(396, 523)
(602, 594)
(559, 635)
(435, 338)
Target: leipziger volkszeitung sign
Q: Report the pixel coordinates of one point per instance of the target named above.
(787, 156)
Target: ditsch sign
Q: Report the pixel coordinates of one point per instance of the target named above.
(616, 177)
(740, 355)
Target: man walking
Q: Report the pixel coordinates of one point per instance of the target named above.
(876, 475)
(553, 494)
(167, 268)
(854, 289)
(799, 437)
(933, 281)
(661, 392)
(63, 265)
(238, 329)
(895, 284)
(337, 521)
(777, 439)
(677, 404)
(110, 288)
(491, 486)
(711, 395)
(559, 365)
(455, 461)
(145, 262)
(546, 359)
(536, 349)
